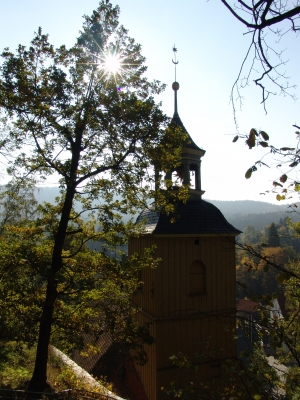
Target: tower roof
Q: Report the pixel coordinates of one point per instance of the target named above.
(195, 217)
(177, 122)
(176, 119)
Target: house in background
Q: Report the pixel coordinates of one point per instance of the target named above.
(247, 319)
(249, 324)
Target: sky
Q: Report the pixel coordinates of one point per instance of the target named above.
(211, 47)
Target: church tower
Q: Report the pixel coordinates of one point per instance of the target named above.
(189, 299)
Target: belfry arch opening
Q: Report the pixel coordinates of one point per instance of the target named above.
(178, 176)
(186, 174)
(194, 176)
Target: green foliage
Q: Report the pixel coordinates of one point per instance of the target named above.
(63, 114)
(59, 100)
(281, 334)
(273, 238)
(23, 263)
(256, 380)
(16, 365)
(93, 290)
(278, 333)
(256, 271)
(64, 377)
(251, 235)
(286, 184)
(262, 257)
(17, 203)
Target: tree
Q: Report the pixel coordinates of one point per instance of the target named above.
(93, 289)
(289, 159)
(254, 274)
(256, 380)
(70, 113)
(17, 204)
(251, 235)
(264, 19)
(273, 238)
(280, 331)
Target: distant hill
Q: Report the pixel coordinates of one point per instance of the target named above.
(229, 208)
(239, 213)
(240, 221)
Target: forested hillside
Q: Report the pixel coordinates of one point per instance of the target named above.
(258, 221)
(247, 207)
(278, 243)
(239, 213)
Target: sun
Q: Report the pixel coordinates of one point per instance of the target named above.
(111, 64)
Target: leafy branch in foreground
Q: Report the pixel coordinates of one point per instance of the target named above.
(289, 158)
(266, 22)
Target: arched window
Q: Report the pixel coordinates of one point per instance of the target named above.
(197, 278)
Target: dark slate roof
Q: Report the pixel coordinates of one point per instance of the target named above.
(119, 369)
(195, 217)
(113, 361)
(177, 121)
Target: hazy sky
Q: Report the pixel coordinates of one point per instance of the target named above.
(211, 47)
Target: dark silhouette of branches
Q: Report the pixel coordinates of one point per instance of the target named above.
(267, 21)
(287, 161)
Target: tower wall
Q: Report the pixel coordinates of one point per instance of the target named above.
(186, 317)
(147, 373)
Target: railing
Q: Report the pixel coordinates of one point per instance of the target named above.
(71, 394)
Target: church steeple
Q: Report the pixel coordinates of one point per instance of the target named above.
(191, 153)
(190, 297)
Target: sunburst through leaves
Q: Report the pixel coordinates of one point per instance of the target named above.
(111, 64)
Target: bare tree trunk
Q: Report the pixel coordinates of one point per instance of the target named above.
(38, 381)
(39, 377)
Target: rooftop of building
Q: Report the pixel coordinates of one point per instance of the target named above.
(197, 216)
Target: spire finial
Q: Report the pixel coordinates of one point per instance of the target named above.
(175, 62)
(175, 85)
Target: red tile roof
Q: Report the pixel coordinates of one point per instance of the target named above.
(246, 305)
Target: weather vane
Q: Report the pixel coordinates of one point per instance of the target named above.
(175, 62)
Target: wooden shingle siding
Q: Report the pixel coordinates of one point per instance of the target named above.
(147, 373)
(183, 321)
